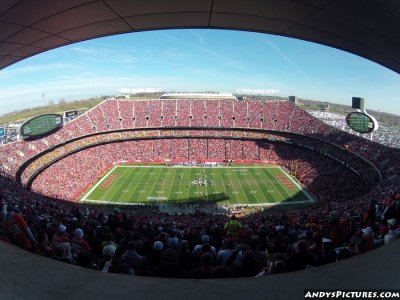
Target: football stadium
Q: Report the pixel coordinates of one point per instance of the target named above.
(196, 186)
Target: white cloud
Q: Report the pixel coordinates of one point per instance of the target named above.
(78, 87)
(98, 54)
(174, 54)
(7, 73)
(89, 51)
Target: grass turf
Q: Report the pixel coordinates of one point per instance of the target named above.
(244, 185)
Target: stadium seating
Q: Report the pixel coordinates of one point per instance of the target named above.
(273, 115)
(346, 207)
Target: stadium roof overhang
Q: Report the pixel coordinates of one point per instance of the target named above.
(370, 28)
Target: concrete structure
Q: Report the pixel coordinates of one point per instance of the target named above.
(28, 276)
(198, 96)
(369, 28)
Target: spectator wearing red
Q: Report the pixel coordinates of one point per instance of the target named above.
(368, 236)
(206, 270)
(43, 247)
(301, 258)
(16, 229)
(60, 237)
(78, 243)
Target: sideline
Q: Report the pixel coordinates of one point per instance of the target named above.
(84, 198)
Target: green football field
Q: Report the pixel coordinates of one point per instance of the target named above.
(243, 185)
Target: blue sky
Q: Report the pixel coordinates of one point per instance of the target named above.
(198, 60)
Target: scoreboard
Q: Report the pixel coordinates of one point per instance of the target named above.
(361, 122)
(71, 113)
(41, 125)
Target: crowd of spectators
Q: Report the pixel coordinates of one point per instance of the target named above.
(195, 246)
(311, 168)
(115, 114)
(386, 135)
(348, 219)
(276, 115)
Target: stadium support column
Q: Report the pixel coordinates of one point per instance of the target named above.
(226, 157)
(188, 149)
(207, 149)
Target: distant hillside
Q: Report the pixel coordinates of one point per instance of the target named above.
(81, 105)
(61, 106)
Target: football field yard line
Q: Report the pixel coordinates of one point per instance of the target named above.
(214, 175)
(260, 185)
(244, 192)
(138, 186)
(255, 186)
(265, 195)
(150, 186)
(198, 167)
(192, 188)
(143, 192)
(273, 184)
(200, 188)
(308, 196)
(125, 188)
(280, 184)
(115, 187)
(252, 188)
(272, 196)
(187, 187)
(205, 178)
(184, 191)
(98, 183)
(114, 183)
(247, 195)
(130, 182)
(298, 191)
(154, 190)
(196, 176)
(229, 195)
(210, 177)
(219, 174)
(170, 189)
(210, 188)
(224, 182)
(130, 194)
(286, 189)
